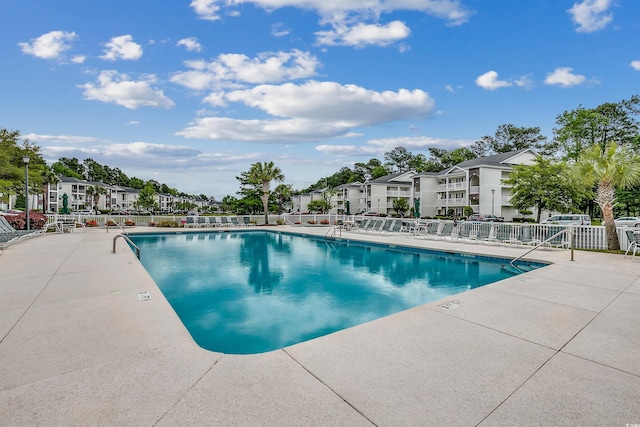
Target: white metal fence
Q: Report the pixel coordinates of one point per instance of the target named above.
(585, 237)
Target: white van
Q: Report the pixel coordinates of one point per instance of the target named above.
(568, 219)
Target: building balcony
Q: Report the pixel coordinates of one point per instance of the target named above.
(450, 202)
(475, 189)
(453, 186)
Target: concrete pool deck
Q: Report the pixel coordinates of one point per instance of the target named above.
(556, 346)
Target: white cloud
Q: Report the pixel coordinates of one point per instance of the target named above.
(206, 9)
(133, 123)
(280, 30)
(361, 34)
(377, 147)
(590, 15)
(50, 45)
(190, 43)
(310, 112)
(71, 139)
(113, 87)
(635, 65)
(79, 59)
(449, 10)
(233, 70)
(489, 81)
(524, 81)
(122, 47)
(564, 77)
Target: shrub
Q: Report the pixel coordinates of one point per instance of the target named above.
(111, 223)
(129, 223)
(91, 223)
(152, 224)
(311, 221)
(37, 220)
(280, 221)
(324, 221)
(168, 223)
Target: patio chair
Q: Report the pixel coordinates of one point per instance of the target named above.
(445, 231)
(247, 221)
(634, 241)
(483, 233)
(191, 222)
(464, 231)
(503, 234)
(557, 241)
(225, 222)
(429, 231)
(235, 222)
(524, 236)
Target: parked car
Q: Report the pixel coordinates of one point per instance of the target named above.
(568, 219)
(485, 218)
(85, 212)
(628, 221)
(370, 214)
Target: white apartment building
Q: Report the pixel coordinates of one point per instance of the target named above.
(379, 194)
(476, 183)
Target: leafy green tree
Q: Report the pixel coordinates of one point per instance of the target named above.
(509, 137)
(379, 171)
(260, 176)
(12, 168)
(616, 166)
(283, 193)
(443, 159)
(400, 206)
(364, 171)
(545, 185)
(398, 159)
(71, 166)
(136, 183)
(147, 198)
(579, 129)
(228, 204)
(94, 171)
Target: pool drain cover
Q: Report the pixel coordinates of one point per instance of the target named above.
(449, 305)
(144, 296)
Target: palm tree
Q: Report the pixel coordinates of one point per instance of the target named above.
(608, 168)
(262, 174)
(97, 191)
(48, 177)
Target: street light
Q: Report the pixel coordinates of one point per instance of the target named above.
(493, 193)
(26, 159)
(378, 206)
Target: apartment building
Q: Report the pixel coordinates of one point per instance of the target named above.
(476, 183)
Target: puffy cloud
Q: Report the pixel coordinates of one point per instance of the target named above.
(116, 88)
(206, 9)
(310, 112)
(79, 59)
(635, 65)
(564, 77)
(489, 81)
(122, 47)
(71, 139)
(377, 147)
(49, 45)
(362, 34)
(190, 43)
(590, 15)
(280, 30)
(449, 10)
(233, 70)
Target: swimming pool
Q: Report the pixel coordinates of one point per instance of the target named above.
(254, 291)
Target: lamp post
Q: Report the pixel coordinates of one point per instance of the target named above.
(493, 193)
(378, 207)
(26, 159)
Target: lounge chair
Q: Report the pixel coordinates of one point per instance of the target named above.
(445, 231)
(191, 222)
(235, 222)
(464, 230)
(557, 241)
(224, 221)
(247, 222)
(429, 231)
(202, 222)
(483, 232)
(634, 241)
(503, 234)
(524, 236)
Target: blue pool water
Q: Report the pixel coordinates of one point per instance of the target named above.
(255, 291)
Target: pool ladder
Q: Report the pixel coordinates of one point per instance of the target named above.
(571, 236)
(125, 237)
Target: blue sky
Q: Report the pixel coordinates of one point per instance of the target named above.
(191, 93)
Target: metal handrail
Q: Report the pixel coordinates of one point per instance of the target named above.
(106, 225)
(571, 234)
(125, 237)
